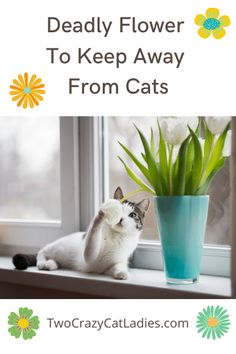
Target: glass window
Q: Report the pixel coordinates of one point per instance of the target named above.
(122, 129)
(30, 168)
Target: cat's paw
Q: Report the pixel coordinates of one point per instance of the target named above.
(112, 210)
(47, 265)
(121, 275)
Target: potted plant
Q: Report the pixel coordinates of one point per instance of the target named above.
(177, 171)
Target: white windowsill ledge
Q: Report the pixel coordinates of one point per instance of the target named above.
(142, 283)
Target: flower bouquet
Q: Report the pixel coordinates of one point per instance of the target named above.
(177, 166)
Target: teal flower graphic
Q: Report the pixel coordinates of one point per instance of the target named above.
(213, 322)
(23, 323)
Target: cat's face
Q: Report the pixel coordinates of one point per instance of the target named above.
(133, 215)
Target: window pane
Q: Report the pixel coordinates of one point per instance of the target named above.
(29, 165)
(122, 129)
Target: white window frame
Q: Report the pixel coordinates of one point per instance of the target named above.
(30, 235)
(84, 152)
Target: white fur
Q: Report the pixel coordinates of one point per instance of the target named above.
(113, 211)
(104, 249)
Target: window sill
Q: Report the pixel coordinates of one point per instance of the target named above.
(142, 283)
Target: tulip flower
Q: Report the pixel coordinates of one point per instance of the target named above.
(184, 163)
(175, 129)
(217, 125)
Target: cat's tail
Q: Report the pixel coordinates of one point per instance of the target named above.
(23, 261)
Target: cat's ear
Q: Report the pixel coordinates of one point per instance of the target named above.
(144, 205)
(118, 194)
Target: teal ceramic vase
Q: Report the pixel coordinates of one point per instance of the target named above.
(182, 224)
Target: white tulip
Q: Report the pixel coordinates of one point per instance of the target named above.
(175, 129)
(227, 146)
(216, 125)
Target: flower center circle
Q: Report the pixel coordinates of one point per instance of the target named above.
(23, 323)
(27, 90)
(211, 24)
(212, 322)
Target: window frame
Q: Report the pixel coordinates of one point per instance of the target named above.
(84, 144)
(92, 174)
(30, 235)
(233, 209)
(215, 260)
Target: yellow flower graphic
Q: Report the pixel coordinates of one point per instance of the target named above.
(212, 23)
(27, 92)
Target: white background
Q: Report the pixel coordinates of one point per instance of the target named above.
(139, 341)
(203, 85)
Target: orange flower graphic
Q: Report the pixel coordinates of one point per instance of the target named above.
(27, 92)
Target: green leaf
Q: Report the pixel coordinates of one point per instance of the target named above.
(197, 162)
(190, 149)
(131, 194)
(137, 180)
(198, 129)
(180, 188)
(163, 165)
(152, 166)
(188, 182)
(165, 190)
(190, 156)
(144, 157)
(152, 144)
(216, 152)
(175, 175)
(141, 167)
(209, 141)
(203, 189)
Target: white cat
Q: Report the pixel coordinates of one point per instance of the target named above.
(105, 248)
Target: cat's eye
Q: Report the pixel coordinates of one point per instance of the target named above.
(132, 215)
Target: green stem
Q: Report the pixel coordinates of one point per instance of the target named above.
(204, 169)
(170, 148)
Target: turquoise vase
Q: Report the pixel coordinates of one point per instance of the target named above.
(182, 225)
